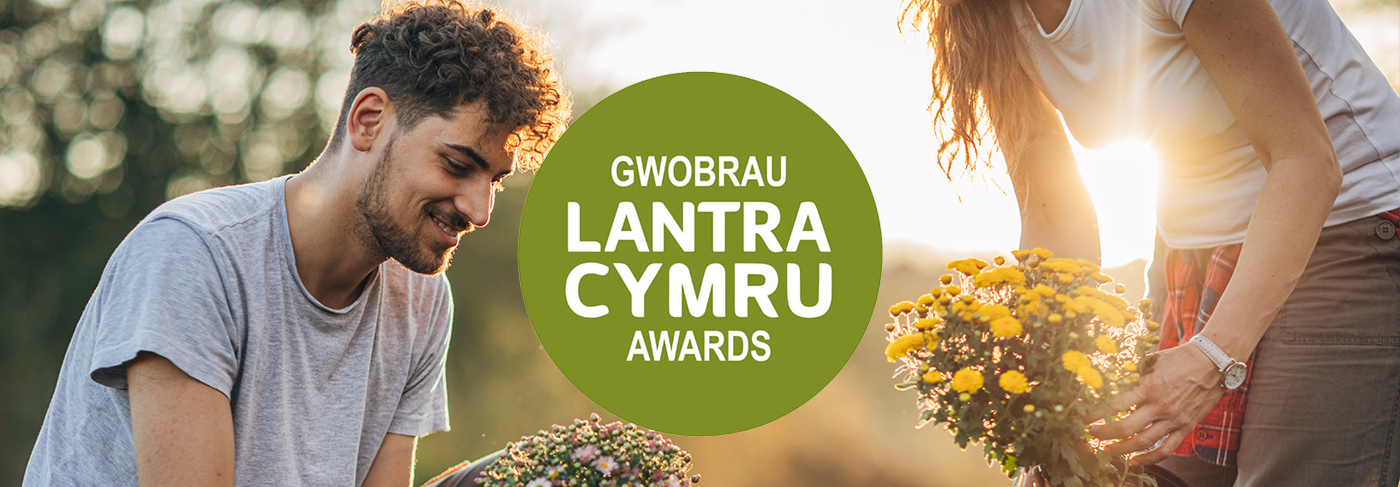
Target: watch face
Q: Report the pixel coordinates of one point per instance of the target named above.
(1234, 375)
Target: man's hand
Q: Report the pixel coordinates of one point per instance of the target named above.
(1182, 387)
(393, 465)
(183, 429)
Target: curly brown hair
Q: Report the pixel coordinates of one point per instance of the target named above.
(433, 56)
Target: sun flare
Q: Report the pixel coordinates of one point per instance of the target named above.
(1122, 180)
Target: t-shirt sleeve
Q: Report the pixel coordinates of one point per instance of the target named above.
(163, 294)
(1172, 9)
(423, 407)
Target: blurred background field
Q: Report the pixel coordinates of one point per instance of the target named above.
(111, 107)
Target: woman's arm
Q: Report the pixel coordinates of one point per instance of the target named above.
(1056, 211)
(1249, 57)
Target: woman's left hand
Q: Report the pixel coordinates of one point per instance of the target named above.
(1182, 387)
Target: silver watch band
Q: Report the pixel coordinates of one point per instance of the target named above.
(1222, 361)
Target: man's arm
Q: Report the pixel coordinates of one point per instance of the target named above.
(183, 429)
(393, 465)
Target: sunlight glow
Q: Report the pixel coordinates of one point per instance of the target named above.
(1122, 180)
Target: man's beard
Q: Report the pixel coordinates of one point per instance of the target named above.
(393, 240)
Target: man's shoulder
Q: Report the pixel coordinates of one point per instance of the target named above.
(214, 210)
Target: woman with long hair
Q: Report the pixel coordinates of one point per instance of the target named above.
(1280, 149)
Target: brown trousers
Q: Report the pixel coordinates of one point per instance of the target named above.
(1324, 402)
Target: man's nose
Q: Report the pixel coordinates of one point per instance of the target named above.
(475, 200)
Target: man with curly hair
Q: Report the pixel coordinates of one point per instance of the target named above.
(294, 331)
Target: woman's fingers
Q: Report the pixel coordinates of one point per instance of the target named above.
(1142, 440)
(1164, 448)
(1141, 418)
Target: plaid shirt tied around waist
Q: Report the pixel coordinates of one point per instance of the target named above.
(1195, 281)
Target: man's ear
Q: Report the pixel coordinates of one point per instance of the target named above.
(369, 118)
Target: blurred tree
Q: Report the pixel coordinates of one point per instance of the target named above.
(112, 107)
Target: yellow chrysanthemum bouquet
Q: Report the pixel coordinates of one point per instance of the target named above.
(1015, 356)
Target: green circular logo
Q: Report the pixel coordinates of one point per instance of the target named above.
(700, 253)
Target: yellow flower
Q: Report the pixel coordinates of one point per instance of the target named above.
(901, 307)
(1075, 360)
(933, 377)
(1130, 366)
(946, 279)
(1106, 344)
(1006, 327)
(1060, 265)
(1120, 288)
(1000, 275)
(999, 260)
(1044, 290)
(1042, 253)
(1087, 265)
(967, 380)
(927, 323)
(953, 290)
(1014, 382)
(1030, 408)
(1020, 255)
(1031, 308)
(1117, 302)
(1066, 278)
(1080, 304)
(965, 397)
(903, 345)
(994, 311)
(1055, 319)
(969, 266)
(1108, 315)
(1090, 376)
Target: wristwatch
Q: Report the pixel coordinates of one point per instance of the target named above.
(1234, 370)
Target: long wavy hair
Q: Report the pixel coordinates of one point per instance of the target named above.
(981, 92)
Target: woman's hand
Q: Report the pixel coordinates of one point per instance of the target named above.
(1182, 387)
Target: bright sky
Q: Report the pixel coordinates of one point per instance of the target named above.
(849, 63)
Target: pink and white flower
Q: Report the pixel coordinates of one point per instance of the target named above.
(606, 465)
(585, 453)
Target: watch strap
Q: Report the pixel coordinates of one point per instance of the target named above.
(1222, 361)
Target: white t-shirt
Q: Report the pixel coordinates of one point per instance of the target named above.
(1120, 69)
(209, 282)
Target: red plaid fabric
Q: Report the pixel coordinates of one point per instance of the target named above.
(1195, 281)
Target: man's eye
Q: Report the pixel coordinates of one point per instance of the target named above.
(457, 168)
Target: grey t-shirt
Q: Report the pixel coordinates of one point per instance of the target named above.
(209, 281)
